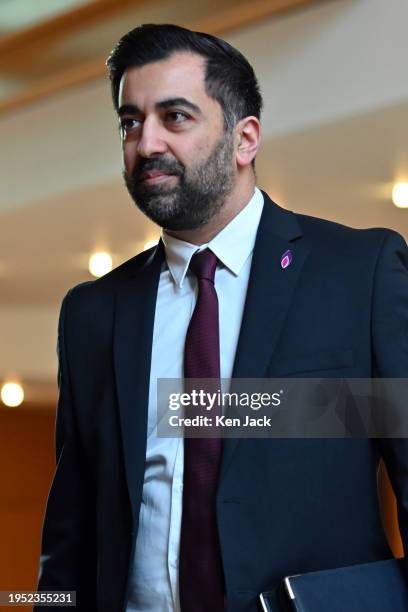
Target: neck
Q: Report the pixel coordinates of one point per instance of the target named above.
(235, 202)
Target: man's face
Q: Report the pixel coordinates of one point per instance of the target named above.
(178, 162)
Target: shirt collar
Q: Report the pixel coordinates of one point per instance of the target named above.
(232, 245)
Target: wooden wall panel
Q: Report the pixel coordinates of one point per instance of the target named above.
(389, 512)
(26, 469)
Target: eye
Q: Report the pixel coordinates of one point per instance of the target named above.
(176, 116)
(128, 124)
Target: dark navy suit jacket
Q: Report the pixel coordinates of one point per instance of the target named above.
(284, 506)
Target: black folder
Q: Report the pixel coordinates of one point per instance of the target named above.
(370, 587)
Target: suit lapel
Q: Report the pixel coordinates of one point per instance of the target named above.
(133, 334)
(269, 295)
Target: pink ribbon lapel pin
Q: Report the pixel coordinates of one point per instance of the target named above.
(286, 259)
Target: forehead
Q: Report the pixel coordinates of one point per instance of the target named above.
(180, 75)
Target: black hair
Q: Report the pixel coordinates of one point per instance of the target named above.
(229, 77)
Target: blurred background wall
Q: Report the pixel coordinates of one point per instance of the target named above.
(335, 141)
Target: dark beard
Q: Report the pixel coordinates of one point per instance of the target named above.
(197, 197)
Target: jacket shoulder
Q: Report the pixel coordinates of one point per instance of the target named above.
(334, 234)
(103, 289)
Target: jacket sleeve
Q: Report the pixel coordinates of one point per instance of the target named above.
(390, 342)
(68, 551)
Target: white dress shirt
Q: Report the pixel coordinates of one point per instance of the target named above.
(154, 577)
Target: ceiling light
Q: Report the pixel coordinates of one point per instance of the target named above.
(12, 394)
(100, 263)
(400, 195)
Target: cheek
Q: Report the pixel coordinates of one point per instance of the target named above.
(129, 156)
(203, 149)
(195, 151)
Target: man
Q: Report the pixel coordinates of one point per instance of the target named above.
(237, 287)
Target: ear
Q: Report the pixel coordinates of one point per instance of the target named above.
(248, 132)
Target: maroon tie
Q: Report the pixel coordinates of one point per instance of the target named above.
(201, 575)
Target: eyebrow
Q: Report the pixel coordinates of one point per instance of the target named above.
(132, 109)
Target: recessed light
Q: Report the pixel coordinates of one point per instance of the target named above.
(100, 263)
(12, 394)
(400, 195)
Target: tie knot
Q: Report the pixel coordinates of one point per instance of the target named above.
(203, 265)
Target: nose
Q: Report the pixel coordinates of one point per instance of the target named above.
(152, 141)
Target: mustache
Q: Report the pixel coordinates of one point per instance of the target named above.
(167, 166)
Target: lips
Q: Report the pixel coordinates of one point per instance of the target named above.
(151, 174)
(155, 177)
